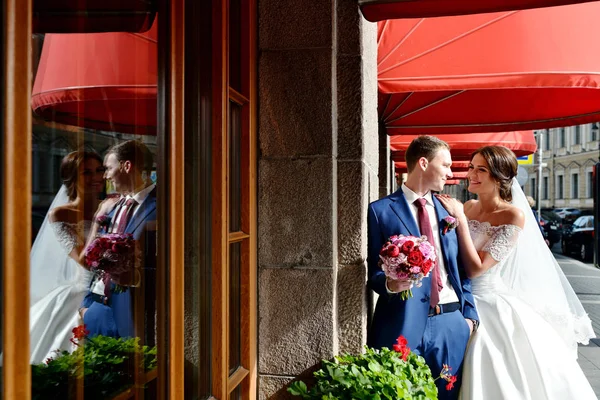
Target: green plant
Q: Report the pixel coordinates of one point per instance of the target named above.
(105, 364)
(376, 374)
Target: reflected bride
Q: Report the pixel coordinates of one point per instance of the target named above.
(58, 282)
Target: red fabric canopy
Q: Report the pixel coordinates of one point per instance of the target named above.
(69, 16)
(462, 146)
(378, 10)
(105, 81)
(456, 165)
(519, 70)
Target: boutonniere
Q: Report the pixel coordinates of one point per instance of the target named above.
(449, 223)
(103, 221)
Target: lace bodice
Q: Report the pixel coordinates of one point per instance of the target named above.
(499, 241)
(70, 235)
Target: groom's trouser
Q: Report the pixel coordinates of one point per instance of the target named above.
(444, 342)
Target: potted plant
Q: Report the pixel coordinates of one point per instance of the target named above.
(376, 374)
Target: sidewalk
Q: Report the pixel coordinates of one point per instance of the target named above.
(585, 279)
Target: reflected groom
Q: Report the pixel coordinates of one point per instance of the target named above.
(135, 213)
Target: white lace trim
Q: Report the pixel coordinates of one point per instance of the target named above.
(69, 235)
(503, 238)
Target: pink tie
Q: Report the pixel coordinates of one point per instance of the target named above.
(425, 227)
(125, 214)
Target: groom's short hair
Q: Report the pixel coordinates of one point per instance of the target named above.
(134, 151)
(423, 146)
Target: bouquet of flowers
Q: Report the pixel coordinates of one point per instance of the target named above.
(112, 255)
(407, 258)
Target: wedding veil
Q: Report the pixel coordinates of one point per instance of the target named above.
(50, 267)
(534, 275)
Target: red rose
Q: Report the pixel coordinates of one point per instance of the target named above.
(384, 249)
(393, 250)
(426, 267)
(408, 246)
(415, 258)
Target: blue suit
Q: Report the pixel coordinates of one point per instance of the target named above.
(116, 317)
(440, 339)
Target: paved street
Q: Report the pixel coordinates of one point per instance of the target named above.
(585, 279)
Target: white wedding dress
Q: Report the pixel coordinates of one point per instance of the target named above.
(515, 354)
(54, 314)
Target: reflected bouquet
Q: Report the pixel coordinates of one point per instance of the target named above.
(407, 258)
(112, 255)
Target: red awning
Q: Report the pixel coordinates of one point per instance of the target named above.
(456, 165)
(103, 81)
(70, 16)
(490, 72)
(378, 10)
(522, 143)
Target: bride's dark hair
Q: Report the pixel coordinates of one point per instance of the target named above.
(503, 166)
(69, 170)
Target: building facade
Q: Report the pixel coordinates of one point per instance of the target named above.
(568, 157)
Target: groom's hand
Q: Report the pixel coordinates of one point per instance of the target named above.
(394, 286)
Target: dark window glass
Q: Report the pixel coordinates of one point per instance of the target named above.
(235, 167)
(235, 322)
(560, 193)
(575, 186)
(236, 394)
(235, 44)
(545, 188)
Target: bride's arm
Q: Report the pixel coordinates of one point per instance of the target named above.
(475, 262)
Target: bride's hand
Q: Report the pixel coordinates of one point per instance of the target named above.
(453, 206)
(106, 206)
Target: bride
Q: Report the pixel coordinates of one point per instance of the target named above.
(531, 319)
(58, 281)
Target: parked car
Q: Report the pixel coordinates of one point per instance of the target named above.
(568, 212)
(552, 226)
(579, 238)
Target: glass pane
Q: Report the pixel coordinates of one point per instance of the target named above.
(198, 200)
(236, 394)
(235, 44)
(235, 305)
(94, 213)
(235, 167)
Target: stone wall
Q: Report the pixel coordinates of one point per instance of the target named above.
(317, 173)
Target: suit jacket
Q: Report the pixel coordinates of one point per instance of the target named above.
(393, 316)
(143, 228)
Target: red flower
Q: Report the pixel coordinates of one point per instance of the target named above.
(415, 258)
(451, 380)
(393, 250)
(405, 353)
(408, 246)
(426, 267)
(80, 332)
(402, 341)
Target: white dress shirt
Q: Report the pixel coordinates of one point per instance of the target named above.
(447, 294)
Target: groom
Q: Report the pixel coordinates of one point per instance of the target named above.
(438, 320)
(135, 213)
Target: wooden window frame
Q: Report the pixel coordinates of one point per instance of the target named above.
(16, 201)
(223, 383)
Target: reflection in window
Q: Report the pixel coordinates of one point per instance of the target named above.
(94, 209)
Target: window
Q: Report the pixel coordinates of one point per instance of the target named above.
(574, 186)
(547, 140)
(577, 138)
(533, 187)
(559, 187)
(594, 132)
(589, 186)
(562, 137)
(545, 189)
